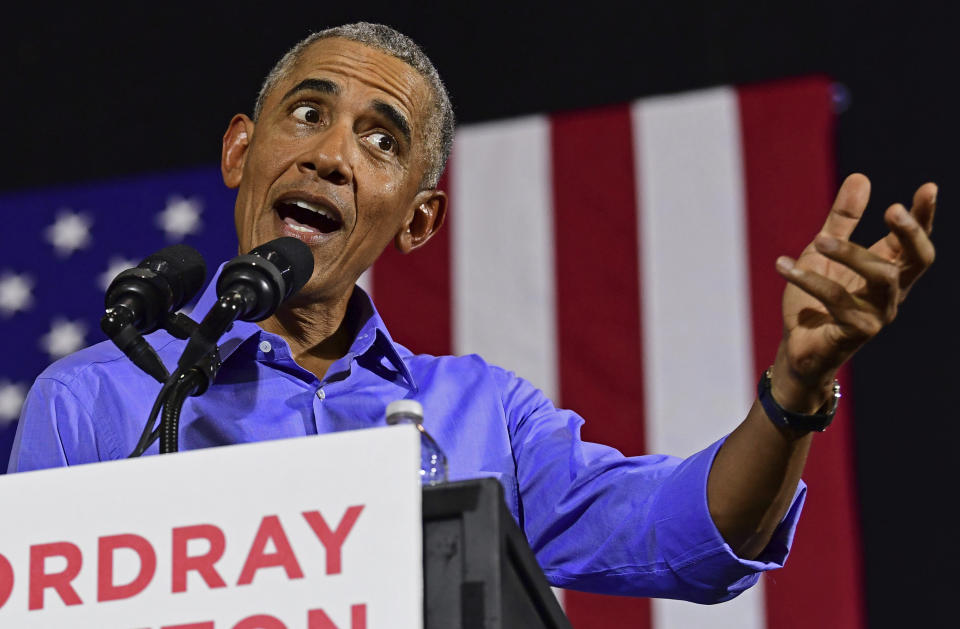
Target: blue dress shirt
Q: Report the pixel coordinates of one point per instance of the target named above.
(596, 520)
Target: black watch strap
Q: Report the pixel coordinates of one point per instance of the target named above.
(797, 421)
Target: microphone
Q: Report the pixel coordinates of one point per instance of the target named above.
(265, 277)
(139, 300)
(251, 287)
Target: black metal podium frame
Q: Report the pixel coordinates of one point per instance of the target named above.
(479, 572)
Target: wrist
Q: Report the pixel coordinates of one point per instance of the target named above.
(797, 391)
(796, 423)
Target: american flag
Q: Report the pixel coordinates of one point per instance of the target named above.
(621, 258)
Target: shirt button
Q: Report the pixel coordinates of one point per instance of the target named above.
(321, 394)
(265, 346)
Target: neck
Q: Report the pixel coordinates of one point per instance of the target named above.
(317, 332)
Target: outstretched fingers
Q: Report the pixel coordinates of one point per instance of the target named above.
(925, 205)
(858, 317)
(842, 294)
(848, 207)
(877, 279)
(916, 250)
(922, 210)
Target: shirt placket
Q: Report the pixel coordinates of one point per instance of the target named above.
(276, 351)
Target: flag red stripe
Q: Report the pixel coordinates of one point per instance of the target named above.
(413, 293)
(789, 170)
(598, 304)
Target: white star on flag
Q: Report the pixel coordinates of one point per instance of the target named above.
(71, 231)
(15, 293)
(116, 265)
(64, 337)
(180, 217)
(11, 400)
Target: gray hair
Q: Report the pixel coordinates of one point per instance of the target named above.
(438, 131)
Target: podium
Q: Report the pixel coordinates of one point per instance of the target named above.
(479, 572)
(323, 532)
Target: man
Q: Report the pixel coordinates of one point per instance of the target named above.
(347, 142)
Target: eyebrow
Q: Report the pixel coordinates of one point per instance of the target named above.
(393, 115)
(324, 86)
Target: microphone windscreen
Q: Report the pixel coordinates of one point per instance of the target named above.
(183, 268)
(293, 259)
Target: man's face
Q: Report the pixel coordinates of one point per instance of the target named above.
(335, 159)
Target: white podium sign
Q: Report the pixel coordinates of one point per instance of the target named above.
(310, 533)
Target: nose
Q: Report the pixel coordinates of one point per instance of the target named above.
(327, 156)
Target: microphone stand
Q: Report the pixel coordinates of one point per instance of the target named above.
(197, 367)
(204, 337)
(181, 384)
(192, 382)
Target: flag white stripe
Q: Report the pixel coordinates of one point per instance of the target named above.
(695, 295)
(503, 288)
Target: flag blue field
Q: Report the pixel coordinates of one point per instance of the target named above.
(60, 247)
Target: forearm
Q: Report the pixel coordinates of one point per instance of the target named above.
(756, 471)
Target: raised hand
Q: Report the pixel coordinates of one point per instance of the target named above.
(840, 294)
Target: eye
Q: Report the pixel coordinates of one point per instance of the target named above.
(306, 113)
(382, 141)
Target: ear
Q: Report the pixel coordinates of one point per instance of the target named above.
(233, 155)
(428, 211)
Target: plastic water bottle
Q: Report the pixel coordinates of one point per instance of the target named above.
(433, 462)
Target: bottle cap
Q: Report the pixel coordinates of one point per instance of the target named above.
(404, 407)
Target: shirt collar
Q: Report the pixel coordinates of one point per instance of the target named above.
(372, 333)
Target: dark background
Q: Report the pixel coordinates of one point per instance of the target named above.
(98, 93)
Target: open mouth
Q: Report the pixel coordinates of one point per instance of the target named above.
(306, 217)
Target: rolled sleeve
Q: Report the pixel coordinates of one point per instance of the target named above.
(692, 546)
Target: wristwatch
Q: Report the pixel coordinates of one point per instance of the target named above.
(797, 421)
